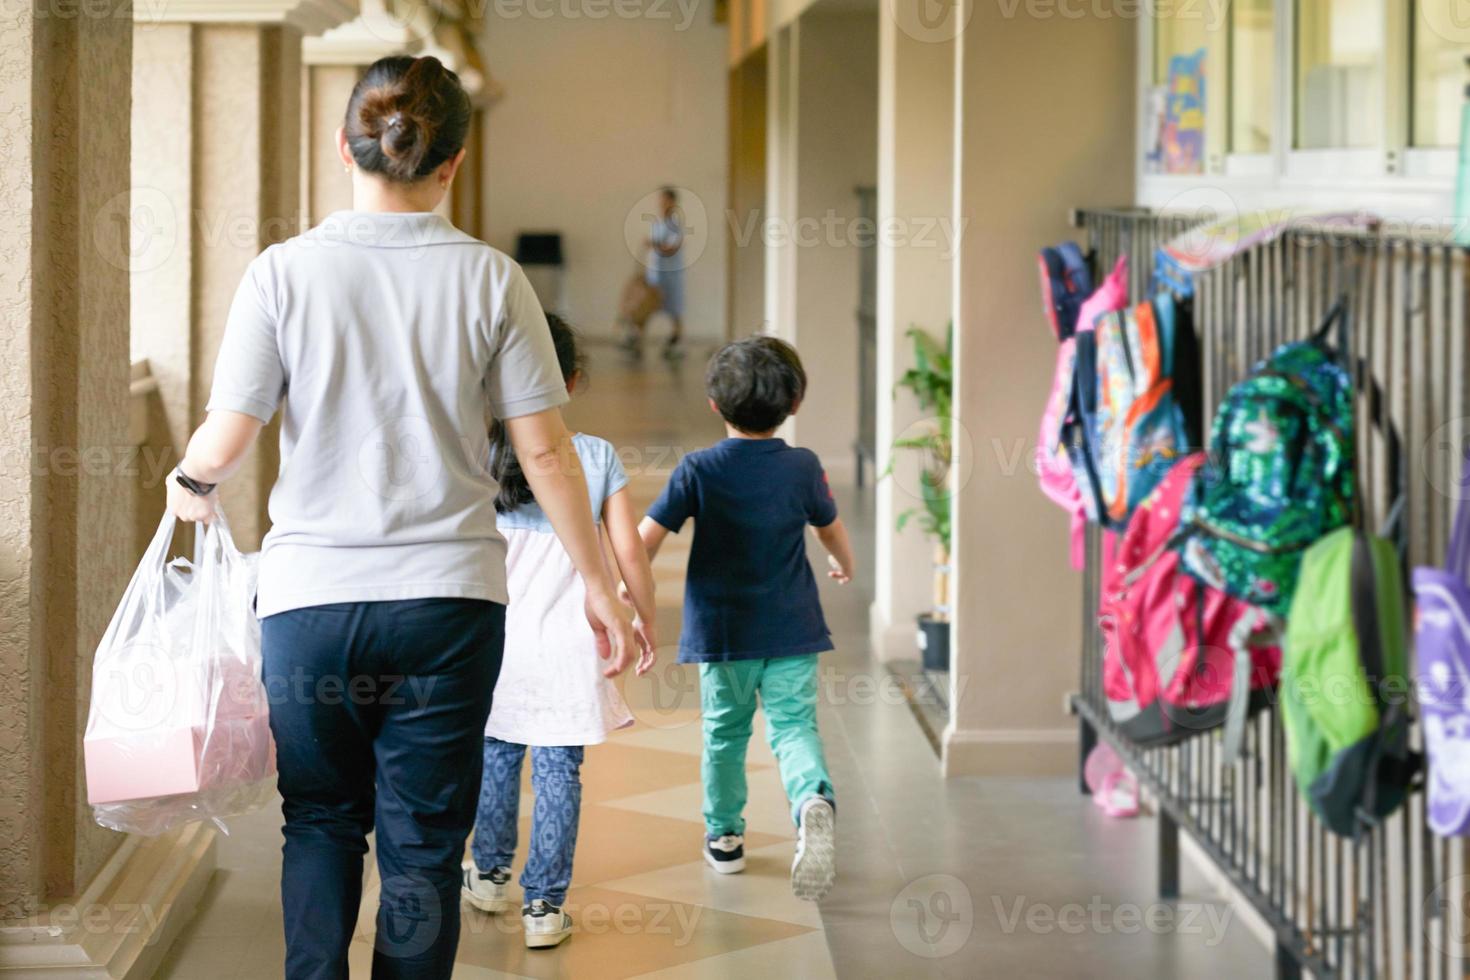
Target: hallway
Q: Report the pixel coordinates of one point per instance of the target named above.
(936, 878)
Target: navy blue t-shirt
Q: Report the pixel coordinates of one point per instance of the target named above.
(749, 589)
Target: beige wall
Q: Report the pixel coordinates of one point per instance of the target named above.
(597, 115)
(836, 152)
(64, 127)
(1017, 601)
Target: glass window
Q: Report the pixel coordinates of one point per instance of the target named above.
(1176, 106)
(1339, 73)
(1252, 75)
(1441, 42)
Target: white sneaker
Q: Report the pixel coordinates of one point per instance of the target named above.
(487, 891)
(725, 854)
(546, 925)
(814, 867)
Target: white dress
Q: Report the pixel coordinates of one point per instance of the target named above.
(551, 689)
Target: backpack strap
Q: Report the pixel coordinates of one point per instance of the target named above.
(1237, 707)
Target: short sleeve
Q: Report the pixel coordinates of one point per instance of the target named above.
(677, 503)
(524, 377)
(822, 508)
(248, 374)
(612, 468)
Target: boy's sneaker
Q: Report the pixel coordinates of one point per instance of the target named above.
(814, 868)
(726, 854)
(487, 891)
(546, 925)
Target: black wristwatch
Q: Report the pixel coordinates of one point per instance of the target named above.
(192, 485)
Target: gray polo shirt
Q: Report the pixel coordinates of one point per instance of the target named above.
(392, 337)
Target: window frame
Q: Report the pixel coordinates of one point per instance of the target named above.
(1394, 178)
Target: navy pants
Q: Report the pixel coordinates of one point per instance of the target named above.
(378, 711)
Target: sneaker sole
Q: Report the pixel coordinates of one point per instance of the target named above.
(547, 940)
(725, 867)
(815, 868)
(491, 905)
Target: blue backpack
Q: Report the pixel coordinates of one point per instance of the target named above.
(1066, 280)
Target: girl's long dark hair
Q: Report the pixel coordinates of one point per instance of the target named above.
(504, 467)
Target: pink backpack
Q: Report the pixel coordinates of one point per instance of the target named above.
(1054, 465)
(1180, 657)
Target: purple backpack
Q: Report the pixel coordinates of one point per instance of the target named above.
(1442, 650)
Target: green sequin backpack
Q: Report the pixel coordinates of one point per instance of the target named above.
(1279, 476)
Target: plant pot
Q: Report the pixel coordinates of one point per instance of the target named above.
(934, 643)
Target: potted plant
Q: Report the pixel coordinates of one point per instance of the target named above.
(931, 379)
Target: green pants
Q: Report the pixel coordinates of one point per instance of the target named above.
(787, 689)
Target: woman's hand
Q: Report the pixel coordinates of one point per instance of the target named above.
(612, 625)
(187, 506)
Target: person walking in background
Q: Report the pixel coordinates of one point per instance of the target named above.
(551, 695)
(752, 619)
(666, 265)
(391, 336)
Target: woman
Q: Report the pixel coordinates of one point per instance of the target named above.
(392, 337)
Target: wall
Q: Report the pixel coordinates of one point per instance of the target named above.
(836, 152)
(1017, 623)
(597, 115)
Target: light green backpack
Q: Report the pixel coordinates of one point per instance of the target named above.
(1345, 681)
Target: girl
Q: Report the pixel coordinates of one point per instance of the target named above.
(553, 694)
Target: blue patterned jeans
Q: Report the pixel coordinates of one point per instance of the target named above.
(556, 779)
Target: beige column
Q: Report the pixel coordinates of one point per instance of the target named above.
(71, 893)
(745, 248)
(1017, 601)
(220, 83)
(65, 385)
(915, 280)
(782, 83)
(836, 153)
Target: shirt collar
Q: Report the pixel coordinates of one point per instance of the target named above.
(389, 229)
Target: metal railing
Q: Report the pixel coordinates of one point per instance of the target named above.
(1392, 902)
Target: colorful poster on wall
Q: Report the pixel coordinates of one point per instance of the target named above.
(1180, 148)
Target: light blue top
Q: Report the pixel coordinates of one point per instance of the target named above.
(605, 477)
(666, 232)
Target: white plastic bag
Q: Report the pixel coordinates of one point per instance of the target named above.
(179, 726)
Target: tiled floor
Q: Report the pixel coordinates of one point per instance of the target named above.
(958, 878)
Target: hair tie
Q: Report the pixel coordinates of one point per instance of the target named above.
(394, 121)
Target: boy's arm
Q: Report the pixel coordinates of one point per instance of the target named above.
(653, 534)
(631, 555)
(834, 538)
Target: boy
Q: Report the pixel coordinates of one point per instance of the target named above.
(752, 620)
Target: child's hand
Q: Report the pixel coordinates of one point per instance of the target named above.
(837, 572)
(648, 647)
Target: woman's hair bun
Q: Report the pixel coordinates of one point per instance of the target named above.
(406, 117)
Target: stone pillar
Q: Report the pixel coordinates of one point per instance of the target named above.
(745, 249)
(220, 85)
(915, 279)
(1017, 602)
(71, 894)
(64, 376)
(835, 153)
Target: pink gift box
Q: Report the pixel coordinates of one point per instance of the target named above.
(168, 762)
